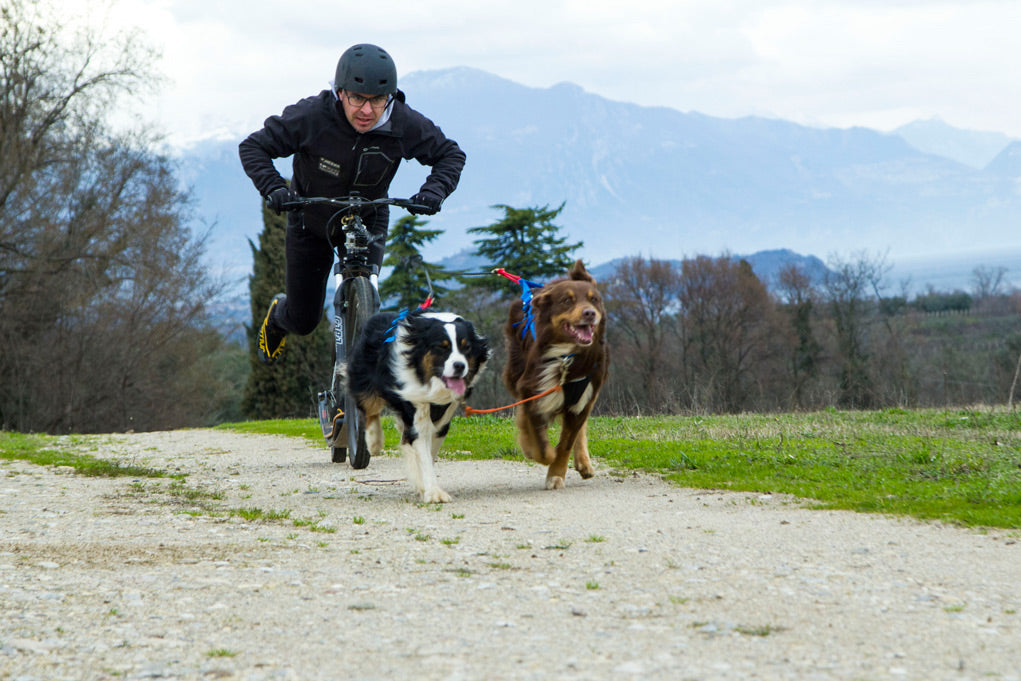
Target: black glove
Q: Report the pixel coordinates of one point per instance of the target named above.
(279, 196)
(430, 204)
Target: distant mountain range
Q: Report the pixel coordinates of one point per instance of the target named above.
(970, 147)
(659, 182)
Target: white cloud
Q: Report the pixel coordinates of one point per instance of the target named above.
(823, 62)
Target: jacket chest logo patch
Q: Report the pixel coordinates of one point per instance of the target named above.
(329, 167)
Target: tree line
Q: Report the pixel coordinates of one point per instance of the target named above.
(709, 336)
(706, 335)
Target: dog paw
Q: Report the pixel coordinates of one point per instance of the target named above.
(540, 456)
(435, 496)
(586, 472)
(554, 482)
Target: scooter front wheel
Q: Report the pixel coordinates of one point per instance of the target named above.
(359, 306)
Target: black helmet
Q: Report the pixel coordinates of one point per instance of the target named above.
(366, 69)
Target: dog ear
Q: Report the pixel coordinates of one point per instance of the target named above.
(482, 349)
(579, 273)
(477, 339)
(541, 300)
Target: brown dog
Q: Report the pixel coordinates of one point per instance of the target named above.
(560, 343)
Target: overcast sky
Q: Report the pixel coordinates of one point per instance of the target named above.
(839, 63)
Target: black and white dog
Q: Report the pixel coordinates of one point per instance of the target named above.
(422, 366)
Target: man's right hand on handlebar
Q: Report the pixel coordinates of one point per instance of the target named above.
(279, 196)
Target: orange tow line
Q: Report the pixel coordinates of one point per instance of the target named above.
(468, 411)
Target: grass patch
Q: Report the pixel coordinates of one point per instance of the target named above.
(307, 429)
(561, 545)
(37, 449)
(254, 514)
(763, 630)
(192, 494)
(313, 525)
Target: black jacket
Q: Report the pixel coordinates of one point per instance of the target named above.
(332, 159)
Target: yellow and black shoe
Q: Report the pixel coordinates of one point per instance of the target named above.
(271, 336)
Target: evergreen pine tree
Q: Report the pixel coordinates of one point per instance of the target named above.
(407, 286)
(287, 388)
(525, 242)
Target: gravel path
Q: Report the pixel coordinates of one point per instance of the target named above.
(619, 577)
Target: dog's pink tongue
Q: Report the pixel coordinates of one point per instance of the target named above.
(454, 385)
(583, 334)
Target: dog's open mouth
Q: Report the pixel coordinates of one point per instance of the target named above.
(580, 333)
(454, 384)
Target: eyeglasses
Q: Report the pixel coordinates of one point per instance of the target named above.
(358, 101)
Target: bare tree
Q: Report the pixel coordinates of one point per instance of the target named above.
(726, 317)
(101, 288)
(853, 289)
(990, 289)
(642, 303)
(988, 281)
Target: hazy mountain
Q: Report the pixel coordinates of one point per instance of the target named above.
(1008, 162)
(660, 182)
(972, 147)
(765, 264)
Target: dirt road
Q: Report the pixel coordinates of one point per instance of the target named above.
(270, 563)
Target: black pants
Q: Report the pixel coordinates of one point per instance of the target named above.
(309, 261)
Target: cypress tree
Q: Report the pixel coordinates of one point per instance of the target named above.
(287, 388)
(407, 286)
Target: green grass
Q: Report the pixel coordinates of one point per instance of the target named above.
(961, 465)
(308, 429)
(760, 630)
(39, 449)
(254, 514)
(313, 525)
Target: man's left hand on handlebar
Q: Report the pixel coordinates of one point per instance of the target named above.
(425, 204)
(280, 196)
